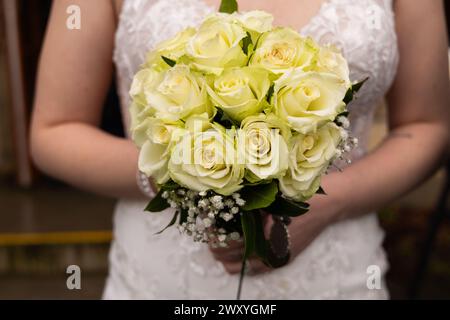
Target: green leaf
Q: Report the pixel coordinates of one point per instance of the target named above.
(350, 94)
(158, 203)
(257, 41)
(343, 114)
(270, 93)
(170, 62)
(246, 43)
(256, 183)
(171, 223)
(218, 116)
(183, 216)
(358, 85)
(222, 118)
(285, 207)
(170, 186)
(228, 6)
(321, 191)
(248, 228)
(260, 196)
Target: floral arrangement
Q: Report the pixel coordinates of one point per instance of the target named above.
(237, 117)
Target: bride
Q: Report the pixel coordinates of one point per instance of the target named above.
(336, 247)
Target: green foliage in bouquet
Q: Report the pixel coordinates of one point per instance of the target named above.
(228, 6)
(349, 96)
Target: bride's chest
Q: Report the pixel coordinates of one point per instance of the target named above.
(364, 30)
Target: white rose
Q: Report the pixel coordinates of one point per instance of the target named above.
(153, 129)
(217, 45)
(330, 59)
(307, 100)
(198, 123)
(282, 49)
(153, 159)
(173, 48)
(156, 139)
(263, 147)
(240, 92)
(207, 161)
(309, 157)
(255, 22)
(178, 94)
(139, 109)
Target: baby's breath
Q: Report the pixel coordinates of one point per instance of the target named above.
(208, 215)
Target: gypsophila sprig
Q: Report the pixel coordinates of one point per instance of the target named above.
(209, 217)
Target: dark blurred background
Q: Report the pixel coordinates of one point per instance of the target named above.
(46, 225)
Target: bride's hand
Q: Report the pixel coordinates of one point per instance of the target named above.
(302, 230)
(305, 228)
(231, 259)
(231, 256)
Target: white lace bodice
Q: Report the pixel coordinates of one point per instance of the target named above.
(334, 265)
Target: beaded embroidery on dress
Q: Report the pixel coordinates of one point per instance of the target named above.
(334, 265)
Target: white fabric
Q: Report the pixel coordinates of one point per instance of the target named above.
(172, 266)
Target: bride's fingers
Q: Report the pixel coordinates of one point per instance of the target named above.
(231, 255)
(231, 245)
(256, 266)
(232, 267)
(233, 252)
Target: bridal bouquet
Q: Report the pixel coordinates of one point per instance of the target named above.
(235, 120)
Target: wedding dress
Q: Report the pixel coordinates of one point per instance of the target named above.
(335, 265)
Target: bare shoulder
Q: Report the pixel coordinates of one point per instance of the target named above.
(419, 10)
(422, 75)
(88, 9)
(75, 61)
(418, 5)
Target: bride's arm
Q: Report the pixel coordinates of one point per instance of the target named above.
(74, 75)
(418, 117)
(415, 147)
(418, 137)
